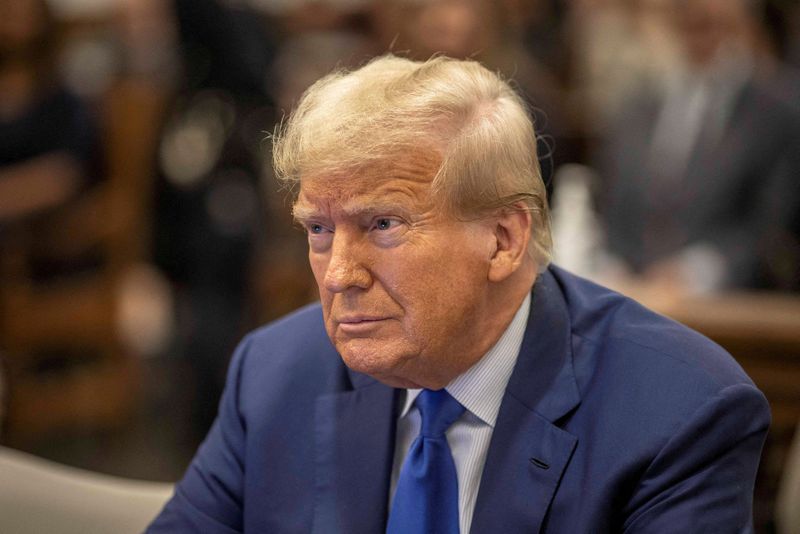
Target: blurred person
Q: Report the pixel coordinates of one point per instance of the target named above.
(615, 46)
(701, 169)
(146, 31)
(209, 210)
(540, 26)
(48, 141)
(50, 154)
(450, 380)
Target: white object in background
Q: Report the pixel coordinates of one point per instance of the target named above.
(577, 238)
(787, 505)
(146, 311)
(39, 496)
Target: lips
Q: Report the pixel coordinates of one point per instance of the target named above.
(359, 324)
(353, 319)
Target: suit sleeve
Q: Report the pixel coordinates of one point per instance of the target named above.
(702, 479)
(209, 497)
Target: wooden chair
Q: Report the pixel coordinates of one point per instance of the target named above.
(79, 316)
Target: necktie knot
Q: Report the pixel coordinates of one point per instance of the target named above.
(438, 410)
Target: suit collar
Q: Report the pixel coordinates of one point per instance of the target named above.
(354, 433)
(544, 379)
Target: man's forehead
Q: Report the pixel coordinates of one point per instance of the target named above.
(386, 180)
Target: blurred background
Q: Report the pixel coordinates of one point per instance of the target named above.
(142, 232)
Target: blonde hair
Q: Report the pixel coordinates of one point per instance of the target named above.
(466, 115)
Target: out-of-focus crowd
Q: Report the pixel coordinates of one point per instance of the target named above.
(669, 140)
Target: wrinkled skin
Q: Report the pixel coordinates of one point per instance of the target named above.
(409, 294)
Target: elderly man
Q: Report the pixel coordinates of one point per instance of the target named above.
(463, 385)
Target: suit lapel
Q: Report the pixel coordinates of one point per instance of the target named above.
(528, 452)
(522, 472)
(354, 434)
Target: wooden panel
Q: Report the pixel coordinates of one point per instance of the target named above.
(77, 312)
(95, 395)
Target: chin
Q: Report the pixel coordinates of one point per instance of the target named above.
(375, 360)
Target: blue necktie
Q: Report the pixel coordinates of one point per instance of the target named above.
(426, 497)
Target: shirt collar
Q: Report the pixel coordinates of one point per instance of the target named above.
(480, 388)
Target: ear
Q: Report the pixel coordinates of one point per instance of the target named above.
(512, 234)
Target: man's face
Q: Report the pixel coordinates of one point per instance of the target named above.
(403, 286)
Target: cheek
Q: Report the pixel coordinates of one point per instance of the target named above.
(439, 293)
(318, 265)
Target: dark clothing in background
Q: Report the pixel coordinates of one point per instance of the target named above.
(207, 226)
(58, 122)
(737, 191)
(224, 47)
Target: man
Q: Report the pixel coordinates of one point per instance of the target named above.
(701, 166)
(577, 410)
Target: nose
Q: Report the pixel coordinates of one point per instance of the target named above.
(346, 268)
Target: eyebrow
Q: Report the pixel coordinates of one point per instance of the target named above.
(303, 211)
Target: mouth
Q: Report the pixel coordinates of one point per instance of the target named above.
(360, 324)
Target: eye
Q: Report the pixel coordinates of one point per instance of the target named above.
(319, 235)
(315, 228)
(385, 223)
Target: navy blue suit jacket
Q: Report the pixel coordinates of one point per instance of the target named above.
(614, 420)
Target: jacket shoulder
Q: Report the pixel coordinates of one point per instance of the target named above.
(302, 326)
(291, 354)
(621, 331)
